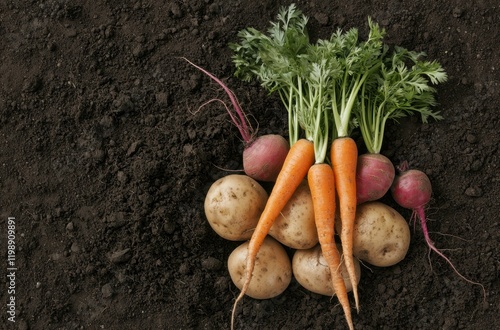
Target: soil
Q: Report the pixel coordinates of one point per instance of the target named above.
(105, 162)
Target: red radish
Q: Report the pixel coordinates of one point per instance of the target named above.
(374, 176)
(264, 156)
(412, 190)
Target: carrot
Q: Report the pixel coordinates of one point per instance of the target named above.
(322, 185)
(344, 155)
(297, 163)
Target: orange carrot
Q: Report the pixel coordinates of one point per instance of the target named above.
(298, 161)
(344, 155)
(322, 185)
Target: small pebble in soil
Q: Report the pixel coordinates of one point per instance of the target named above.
(123, 104)
(32, 85)
(55, 256)
(163, 98)
(471, 138)
(89, 269)
(221, 284)
(133, 148)
(476, 165)
(211, 264)
(107, 290)
(322, 18)
(75, 248)
(121, 256)
(169, 226)
(70, 226)
(184, 269)
(474, 191)
(106, 121)
(122, 177)
(176, 11)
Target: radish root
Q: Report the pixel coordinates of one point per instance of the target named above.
(419, 213)
(240, 120)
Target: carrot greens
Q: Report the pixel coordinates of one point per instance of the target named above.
(358, 61)
(285, 61)
(277, 60)
(397, 90)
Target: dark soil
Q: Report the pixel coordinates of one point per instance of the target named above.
(104, 164)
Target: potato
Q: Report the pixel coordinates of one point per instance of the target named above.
(295, 227)
(272, 273)
(311, 271)
(381, 235)
(233, 206)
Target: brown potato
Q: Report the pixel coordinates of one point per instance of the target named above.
(311, 271)
(233, 206)
(295, 227)
(381, 235)
(272, 273)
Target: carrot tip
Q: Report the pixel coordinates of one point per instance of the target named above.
(233, 313)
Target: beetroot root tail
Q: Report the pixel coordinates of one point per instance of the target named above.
(420, 213)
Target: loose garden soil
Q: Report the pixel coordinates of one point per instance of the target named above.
(105, 159)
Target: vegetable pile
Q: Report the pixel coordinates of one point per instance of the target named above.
(323, 188)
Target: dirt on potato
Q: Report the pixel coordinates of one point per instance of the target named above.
(106, 157)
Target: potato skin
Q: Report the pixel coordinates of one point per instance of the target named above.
(311, 271)
(272, 273)
(381, 235)
(233, 205)
(295, 227)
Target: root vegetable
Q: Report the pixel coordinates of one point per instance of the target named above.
(311, 271)
(322, 184)
(344, 157)
(264, 156)
(233, 206)
(272, 272)
(295, 225)
(412, 189)
(381, 235)
(374, 176)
